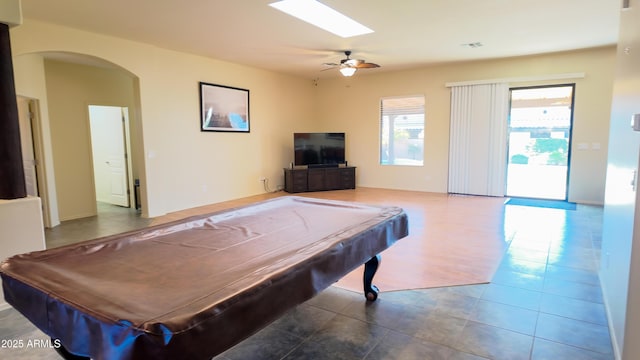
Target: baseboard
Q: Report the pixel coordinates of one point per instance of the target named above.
(617, 352)
(590, 203)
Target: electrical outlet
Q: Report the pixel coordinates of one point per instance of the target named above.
(262, 179)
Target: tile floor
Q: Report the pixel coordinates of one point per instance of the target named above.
(544, 303)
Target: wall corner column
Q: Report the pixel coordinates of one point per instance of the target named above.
(12, 181)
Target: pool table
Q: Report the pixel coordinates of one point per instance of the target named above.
(195, 287)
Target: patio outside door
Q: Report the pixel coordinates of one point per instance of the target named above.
(539, 133)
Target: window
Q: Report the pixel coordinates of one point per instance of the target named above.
(402, 130)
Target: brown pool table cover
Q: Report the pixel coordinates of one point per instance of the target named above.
(195, 287)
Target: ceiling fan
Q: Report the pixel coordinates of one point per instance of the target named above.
(349, 66)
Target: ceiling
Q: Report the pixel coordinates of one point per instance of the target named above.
(408, 33)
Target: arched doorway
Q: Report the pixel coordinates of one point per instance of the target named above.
(73, 82)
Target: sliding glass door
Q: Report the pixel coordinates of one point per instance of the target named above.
(539, 139)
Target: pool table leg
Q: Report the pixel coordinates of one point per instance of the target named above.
(370, 268)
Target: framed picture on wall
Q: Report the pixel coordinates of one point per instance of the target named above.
(223, 108)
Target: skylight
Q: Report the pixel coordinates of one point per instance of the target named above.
(322, 16)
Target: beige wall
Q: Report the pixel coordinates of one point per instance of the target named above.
(183, 167)
(71, 88)
(30, 82)
(22, 229)
(352, 105)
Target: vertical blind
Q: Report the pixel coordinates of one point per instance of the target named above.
(478, 139)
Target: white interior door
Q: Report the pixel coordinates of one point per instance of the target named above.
(109, 154)
(28, 154)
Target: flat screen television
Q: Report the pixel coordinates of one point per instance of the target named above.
(318, 149)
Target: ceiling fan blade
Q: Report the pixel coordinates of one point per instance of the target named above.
(366, 65)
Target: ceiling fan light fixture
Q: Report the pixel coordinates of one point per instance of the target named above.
(322, 16)
(348, 71)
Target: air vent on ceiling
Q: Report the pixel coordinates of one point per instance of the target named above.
(473, 44)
